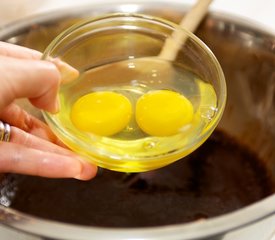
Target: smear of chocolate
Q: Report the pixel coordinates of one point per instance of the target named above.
(220, 177)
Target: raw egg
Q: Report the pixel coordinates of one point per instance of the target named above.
(104, 113)
(163, 112)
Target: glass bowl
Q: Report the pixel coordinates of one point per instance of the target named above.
(120, 53)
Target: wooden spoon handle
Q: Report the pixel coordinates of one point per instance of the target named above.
(190, 22)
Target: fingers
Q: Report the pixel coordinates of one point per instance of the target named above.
(28, 154)
(15, 51)
(71, 162)
(61, 162)
(67, 72)
(16, 116)
(20, 159)
(25, 75)
(28, 140)
(36, 80)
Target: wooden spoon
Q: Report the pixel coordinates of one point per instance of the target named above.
(190, 22)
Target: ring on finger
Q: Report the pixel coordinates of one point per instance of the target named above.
(5, 131)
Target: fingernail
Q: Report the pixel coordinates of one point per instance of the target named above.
(67, 72)
(88, 171)
(56, 105)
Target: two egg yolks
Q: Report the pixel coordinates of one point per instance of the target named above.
(158, 113)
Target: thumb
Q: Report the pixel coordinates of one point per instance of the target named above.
(34, 79)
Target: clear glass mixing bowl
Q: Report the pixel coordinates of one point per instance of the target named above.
(120, 53)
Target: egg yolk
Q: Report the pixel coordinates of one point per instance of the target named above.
(163, 112)
(103, 113)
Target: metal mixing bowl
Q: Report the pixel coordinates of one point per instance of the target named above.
(247, 56)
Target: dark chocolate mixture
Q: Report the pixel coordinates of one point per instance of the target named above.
(221, 176)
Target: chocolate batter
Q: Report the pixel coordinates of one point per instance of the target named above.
(220, 177)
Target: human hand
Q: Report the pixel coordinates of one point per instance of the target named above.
(33, 149)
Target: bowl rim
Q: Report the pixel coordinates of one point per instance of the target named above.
(210, 227)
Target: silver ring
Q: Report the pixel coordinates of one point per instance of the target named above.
(5, 132)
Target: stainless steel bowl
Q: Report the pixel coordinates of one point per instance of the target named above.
(247, 56)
